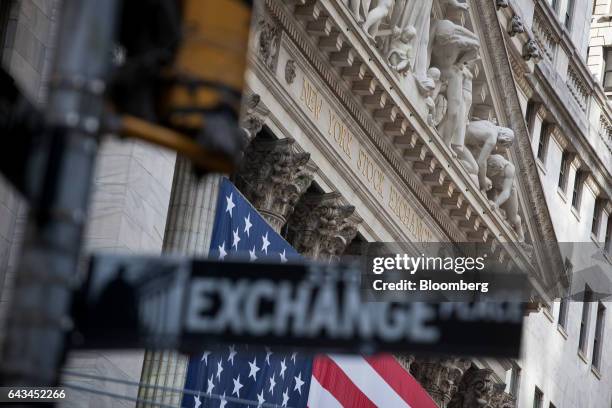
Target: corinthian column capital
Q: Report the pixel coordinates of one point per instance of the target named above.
(439, 376)
(273, 176)
(323, 225)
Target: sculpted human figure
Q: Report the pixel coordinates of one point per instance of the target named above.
(355, 6)
(481, 138)
(453, 47)
(436, 103)
(417, 14)
(400, 55)
(501, 173)
(375, 17)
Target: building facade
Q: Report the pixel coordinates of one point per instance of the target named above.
(367, 122)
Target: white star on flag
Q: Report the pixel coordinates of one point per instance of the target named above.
(254, 369)
(283, 257)
(232, 353)
(272, 385)
(219, 370)
(222, 252)
(205, 357)
(260, 399)
(252, 256)
(210, 385)
(298, 383)
(236, 239)
(247, 224)
(293, 355)
(237, 386)
(285, 397)
(223, 401)
(196, 401)
(283, 368)
(265, 244)
(230, 203)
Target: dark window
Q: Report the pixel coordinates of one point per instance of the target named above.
(538, 397)
(597, 210)
(515, 380)
(577, 193)
(598, 340)
(543, 143)
(584, 321)
(530, 116)
(564, 171)
(608, 240)
(607, 76)
(563, 305)
(569, 14)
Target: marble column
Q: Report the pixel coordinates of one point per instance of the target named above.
(188, 232)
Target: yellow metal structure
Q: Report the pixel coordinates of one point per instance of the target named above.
(209, 68)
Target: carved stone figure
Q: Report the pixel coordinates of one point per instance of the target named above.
(375, 17)
(417, 14)
(435, 100)
(269, 39)
(501, 173)
(439, 376)
(481, 139)
(516, 25)
(453, 47)
(356, 9)
(531, 50)
(400, 56)
(290, 71)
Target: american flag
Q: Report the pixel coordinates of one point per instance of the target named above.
(235, 376)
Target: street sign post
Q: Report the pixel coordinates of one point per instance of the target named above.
(191, 305)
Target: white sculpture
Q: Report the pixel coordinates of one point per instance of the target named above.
(400, 56)
(417, 14)
(481, 139)
(375, 17)
(434, 99)
(453, 47)
(501, 173)
(355, 6)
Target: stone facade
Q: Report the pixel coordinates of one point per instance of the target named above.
(433, 120)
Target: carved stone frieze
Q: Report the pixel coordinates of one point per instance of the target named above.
(273, 176)
(323, 225)
(268, 41)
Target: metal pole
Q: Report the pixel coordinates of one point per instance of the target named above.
(64, 162)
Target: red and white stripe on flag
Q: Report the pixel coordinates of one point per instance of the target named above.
(364, 382)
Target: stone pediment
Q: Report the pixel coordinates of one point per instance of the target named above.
(394, 108)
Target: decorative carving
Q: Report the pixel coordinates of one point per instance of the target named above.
(503, 193)
(501, 3)
(501, 399)
(322, 225)
(516, 26)
(375, 17)
(290, 71)
(454, 46)
(531, 51)
(475, 389)
(400, 56)
(439, 376)
(269, 41)
(273, 176)
(253, 116)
